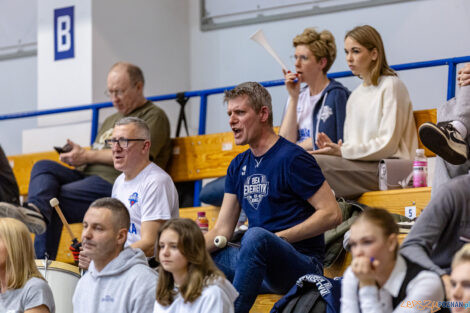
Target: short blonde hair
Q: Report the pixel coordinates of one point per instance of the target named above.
(321, 44)
(369, 37)
(462, 256)
(20, 264)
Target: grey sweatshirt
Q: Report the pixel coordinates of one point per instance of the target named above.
(125, 285)
(442, 228)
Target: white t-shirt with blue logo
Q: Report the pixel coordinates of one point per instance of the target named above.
(273, 189)
(35, 292)
(150, 196)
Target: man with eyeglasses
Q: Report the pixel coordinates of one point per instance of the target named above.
(147, 191)
(94, 174)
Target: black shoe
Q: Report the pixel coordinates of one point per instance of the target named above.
(445, 141)
(30, 215)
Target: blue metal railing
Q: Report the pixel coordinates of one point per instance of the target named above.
(203, 94)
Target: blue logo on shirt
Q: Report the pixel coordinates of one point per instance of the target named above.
(256, 187)
(107, 298)
(133, 199)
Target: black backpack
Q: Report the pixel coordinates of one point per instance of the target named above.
(309, 302)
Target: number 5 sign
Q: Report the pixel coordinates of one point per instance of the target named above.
(63, 33)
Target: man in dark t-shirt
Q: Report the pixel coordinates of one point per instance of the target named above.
(285, 196)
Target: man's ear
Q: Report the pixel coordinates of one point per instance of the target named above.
(147, 145)
(264, 113)
(140, 86)
(121, 236)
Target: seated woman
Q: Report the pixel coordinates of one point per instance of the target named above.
(22, 287)
(188, 279)
(460, 279)
(379, 279)
(318, 106)
(379, 120)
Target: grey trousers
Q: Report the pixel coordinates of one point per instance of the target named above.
(348, 178)
(456, 109)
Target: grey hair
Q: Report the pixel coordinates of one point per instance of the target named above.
(258, 97)
(119, 210)
(138, 122)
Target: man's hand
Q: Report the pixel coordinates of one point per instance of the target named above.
(447, 285)
(463, 76)
(83, 260)
(76, 156)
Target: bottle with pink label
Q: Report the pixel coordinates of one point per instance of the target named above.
(202, 222)
(420, 169)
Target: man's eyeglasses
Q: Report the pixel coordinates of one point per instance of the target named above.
(122, 142)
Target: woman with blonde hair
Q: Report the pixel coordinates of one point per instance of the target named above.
(379, 279)
(23, 289)
(319, 105)
(460, 280)
(379, 120)
(188, 279)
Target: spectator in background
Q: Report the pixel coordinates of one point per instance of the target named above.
(449, 138)
(285, 196)
(94, 174)
(379, 279)
(147, 191)
(22, 287)
(317, 107)
(118, 279)
(379, 120)
(188, 279)
(460, 279)
(9, 191)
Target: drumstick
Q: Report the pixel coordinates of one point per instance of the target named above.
(221, 241)
(259, 37)
(55, 204)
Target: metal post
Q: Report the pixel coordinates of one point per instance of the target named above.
(94, 124)
(197, 191)
(202, 114)
(451, 80)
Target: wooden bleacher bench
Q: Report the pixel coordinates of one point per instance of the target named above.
(208, 156)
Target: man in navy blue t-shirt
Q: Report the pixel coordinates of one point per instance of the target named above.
(287, 200)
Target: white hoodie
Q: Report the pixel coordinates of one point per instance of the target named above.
(125, 285)
(217, 297)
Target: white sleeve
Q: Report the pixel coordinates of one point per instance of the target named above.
(158, 201)
(215, 301)
(349, 293)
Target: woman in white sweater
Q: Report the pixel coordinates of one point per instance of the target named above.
(379, 120)
(189, 281)
(379, 279)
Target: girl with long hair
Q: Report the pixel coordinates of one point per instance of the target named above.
(188, 279)
(22, 287)
(379, 279)
(379, 119)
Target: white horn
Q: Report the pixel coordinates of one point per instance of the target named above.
(259, 37)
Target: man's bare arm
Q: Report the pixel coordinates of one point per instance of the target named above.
(226, 222)
(327, 215)
(148, 236)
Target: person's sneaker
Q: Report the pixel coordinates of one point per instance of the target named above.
(30, 215)
(445, 141)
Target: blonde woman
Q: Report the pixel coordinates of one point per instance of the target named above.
(23, 289)
(319, 105)
(460, 279)
(188, 279)
(379, 120)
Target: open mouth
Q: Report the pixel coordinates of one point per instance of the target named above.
(236, 131)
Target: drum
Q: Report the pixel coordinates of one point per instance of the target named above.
(62, 278)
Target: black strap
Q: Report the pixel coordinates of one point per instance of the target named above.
(182, 100)
(412, 270)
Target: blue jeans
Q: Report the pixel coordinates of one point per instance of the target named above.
(75, 192)
(264, 264)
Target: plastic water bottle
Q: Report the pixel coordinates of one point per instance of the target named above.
(420, 169)
(202, 222)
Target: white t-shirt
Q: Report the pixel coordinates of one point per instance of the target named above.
(35, 292)
(216, 298)
(150, 196)
(305, 106)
